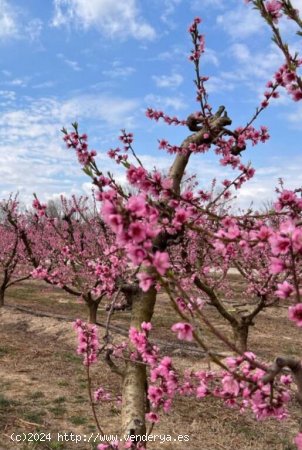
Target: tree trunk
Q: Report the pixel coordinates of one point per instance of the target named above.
(93, 308)
(135, 376)
(240, 333)
(2, 293)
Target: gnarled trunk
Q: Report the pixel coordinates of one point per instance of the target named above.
(135, 376)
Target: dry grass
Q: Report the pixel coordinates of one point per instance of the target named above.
(44, 386)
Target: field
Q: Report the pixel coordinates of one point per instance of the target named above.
(43, 383)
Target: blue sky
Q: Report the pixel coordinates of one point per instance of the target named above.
(103, 62)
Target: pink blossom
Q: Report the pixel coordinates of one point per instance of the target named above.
(202, 390)
(295, 314)
(146, 326)
(264, 233)
(184, 331)
(136, 254)
(284, 290)
(137, 205)
(298, 441)
(181, 216)
(152, 417)
(279, 244)
(273, 7)
(161, 262)
(100, 394)
(155, 394)
(287, 227)
(87, 341)
(286, 379)
(145, 281)
(39, 272)
(115, 221)
(277, 265)
(230, 385)
(297, 239)
(137, 231)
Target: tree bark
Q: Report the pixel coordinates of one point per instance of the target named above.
(240, 333)
(93, 309)
(135, 376)
(2, 293)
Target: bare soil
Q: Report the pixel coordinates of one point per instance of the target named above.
(43, 386)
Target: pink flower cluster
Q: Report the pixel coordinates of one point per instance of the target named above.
(101, 395)
(39, 207)
(88, 343)
(243, 386)
(135, 224)
(39, 272)
(240, 386)
(184, 331)
(79, 144)
(156, 115)
(287, 78)
(274, 8)
(198, 40)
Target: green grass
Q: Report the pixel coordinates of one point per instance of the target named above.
(37, 394)
(56, 445)
(63, 383)
(4, 402)
(60, 399)
(58, 410)
(78, 420)
(3, 351)
(70, 357)
(35, 416)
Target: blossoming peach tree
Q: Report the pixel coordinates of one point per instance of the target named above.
(75, 252)
(13, 257)
(183, 242)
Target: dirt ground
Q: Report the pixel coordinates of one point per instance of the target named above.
(43, 385)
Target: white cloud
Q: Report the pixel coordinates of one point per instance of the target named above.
(295, 117)
(210, 57)
(8, 95)
(218, 85)
(114, 18)
(264, 63)
(33, 29)
(157, 101)
(112, 111)
(169, 7)
(174, 54)
(250, 69)
(21, 82)
(297, 4)
(261, 188)
(168, 81)
(73, 64)
(35, 158)
(44, 84)
(241, 23)
(15, 24)
(8, 21)
(201, 4)
(241, 52)
(119, 70)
